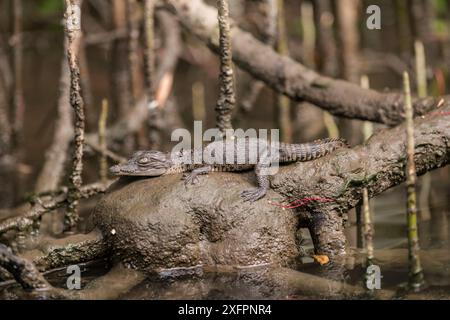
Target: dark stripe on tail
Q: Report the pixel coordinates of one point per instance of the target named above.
(310, 151)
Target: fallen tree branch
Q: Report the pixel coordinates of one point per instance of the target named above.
(377, 165)
(289, 77)
(331, 185)
(75, 249)
(118, 280)
(23, 271)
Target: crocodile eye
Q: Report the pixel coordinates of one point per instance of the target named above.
(144, 160)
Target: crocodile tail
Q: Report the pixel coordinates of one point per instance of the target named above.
(339, 142)
(312, 150)
(321, 148)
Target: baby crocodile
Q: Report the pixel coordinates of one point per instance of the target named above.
(229, 155)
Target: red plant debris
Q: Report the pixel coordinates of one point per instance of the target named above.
(440, 114)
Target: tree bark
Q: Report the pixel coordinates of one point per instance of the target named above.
(377, 165)
(291, 78)
(23, 271)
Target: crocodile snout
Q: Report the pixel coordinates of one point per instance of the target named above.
(114, 169)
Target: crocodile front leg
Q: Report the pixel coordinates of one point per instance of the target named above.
(192, 177)
(262, 177)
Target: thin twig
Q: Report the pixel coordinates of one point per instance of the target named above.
(105, 37)
(422, 91)
(73, 34)
(102, 140)
(421, 70)
(309, 33)
(415, 269)
(368, 227)
(23, 270)
(108, 153)
(226, 102)
(330, 125)
(149, 71)
(198, 101)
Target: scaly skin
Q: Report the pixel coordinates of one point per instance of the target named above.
(243, 154)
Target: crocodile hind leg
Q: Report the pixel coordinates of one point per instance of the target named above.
(262, 177)
(192, 177)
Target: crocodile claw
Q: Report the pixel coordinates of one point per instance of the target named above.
(253, 195)
(190, 178)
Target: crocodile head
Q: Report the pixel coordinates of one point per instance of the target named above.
(144, 163)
